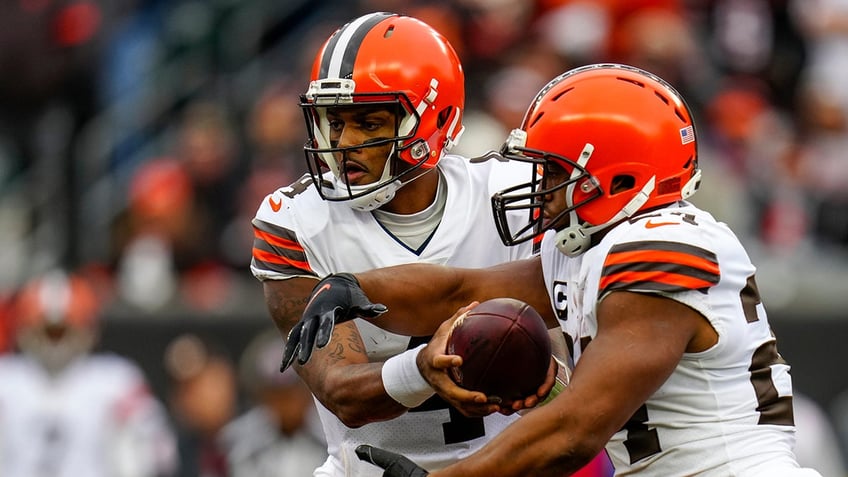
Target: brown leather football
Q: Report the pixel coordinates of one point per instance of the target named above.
(505, 349)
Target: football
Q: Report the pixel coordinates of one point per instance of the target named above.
(505, 349)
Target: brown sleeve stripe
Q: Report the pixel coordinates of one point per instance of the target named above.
(658, 266)
(277, 249)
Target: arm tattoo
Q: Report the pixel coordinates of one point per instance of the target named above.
(285, 309)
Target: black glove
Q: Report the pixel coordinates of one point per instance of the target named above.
(395, 465)
(335, 299)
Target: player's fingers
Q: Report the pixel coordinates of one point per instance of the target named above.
(307, 340)
(372, 310)
(292, 344)
(449, 390)
(465, 309)
(288, 357)
(446, 361)
(376, 456)
(326, 323)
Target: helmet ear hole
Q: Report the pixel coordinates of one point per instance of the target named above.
(444, 115)
(622, 183)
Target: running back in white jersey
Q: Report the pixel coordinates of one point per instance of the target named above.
(298, 234)
(96, 418)
(726, 411)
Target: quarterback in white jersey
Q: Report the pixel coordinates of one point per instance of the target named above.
(328, 237)
(676, 371)
(67, 412)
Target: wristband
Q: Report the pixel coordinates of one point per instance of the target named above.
(561, 381)
(403, 381)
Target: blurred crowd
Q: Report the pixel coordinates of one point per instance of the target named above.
(137, 138)
(69, 407)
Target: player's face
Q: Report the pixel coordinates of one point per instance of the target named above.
(554, 175)
(359, 126)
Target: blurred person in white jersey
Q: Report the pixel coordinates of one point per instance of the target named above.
(66, 410)
(279, 434)
(677, 371)
(383, 109)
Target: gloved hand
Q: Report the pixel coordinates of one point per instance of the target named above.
(335, 299)
(395, 465)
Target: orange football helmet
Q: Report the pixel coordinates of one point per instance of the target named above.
(621, 141)
(56, 319)
(392, 60)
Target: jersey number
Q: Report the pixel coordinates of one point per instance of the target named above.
(643, 441)
(459, 428)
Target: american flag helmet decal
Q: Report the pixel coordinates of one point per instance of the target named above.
(687, 135)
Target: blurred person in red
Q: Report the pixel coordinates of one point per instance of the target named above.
(202, 398)
(163, 244)
(66, 410)
(280, 434)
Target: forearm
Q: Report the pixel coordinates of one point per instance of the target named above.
(343, 380)
(420, 296)
(545, 442)
(355, 394)
(286, 300)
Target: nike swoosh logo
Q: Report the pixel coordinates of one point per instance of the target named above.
(653, 225)
(275, 205)
(325, 287)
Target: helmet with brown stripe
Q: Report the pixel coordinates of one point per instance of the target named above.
(392, 61)
(608, 141)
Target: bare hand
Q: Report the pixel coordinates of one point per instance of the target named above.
(434, 365)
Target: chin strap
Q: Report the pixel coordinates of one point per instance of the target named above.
(381, 196)
(576, 239)
(376, 199)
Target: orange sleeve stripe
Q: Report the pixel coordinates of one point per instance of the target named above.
(276, 241)
(663, 256)
(672, 281)
(269, 257)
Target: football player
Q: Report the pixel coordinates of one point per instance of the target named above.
(383, 109)
(66, 410)
(677, 370)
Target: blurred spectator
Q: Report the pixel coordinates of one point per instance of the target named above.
(276, 132)
(48, 52)
(67, 411)
(823, 108)
(203, 397)
(759, 39)
(154, 239)
(280, 435)
(163, 244)
(206, 145)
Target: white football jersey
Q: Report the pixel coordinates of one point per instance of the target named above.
(96, 418)
(724, 411)
(299, 234)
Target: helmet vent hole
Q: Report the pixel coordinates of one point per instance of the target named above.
(662, 98)
(622, 183)
(632, 81)
(389, 31)
(556, 98)
(680, 115)
(536, 119)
